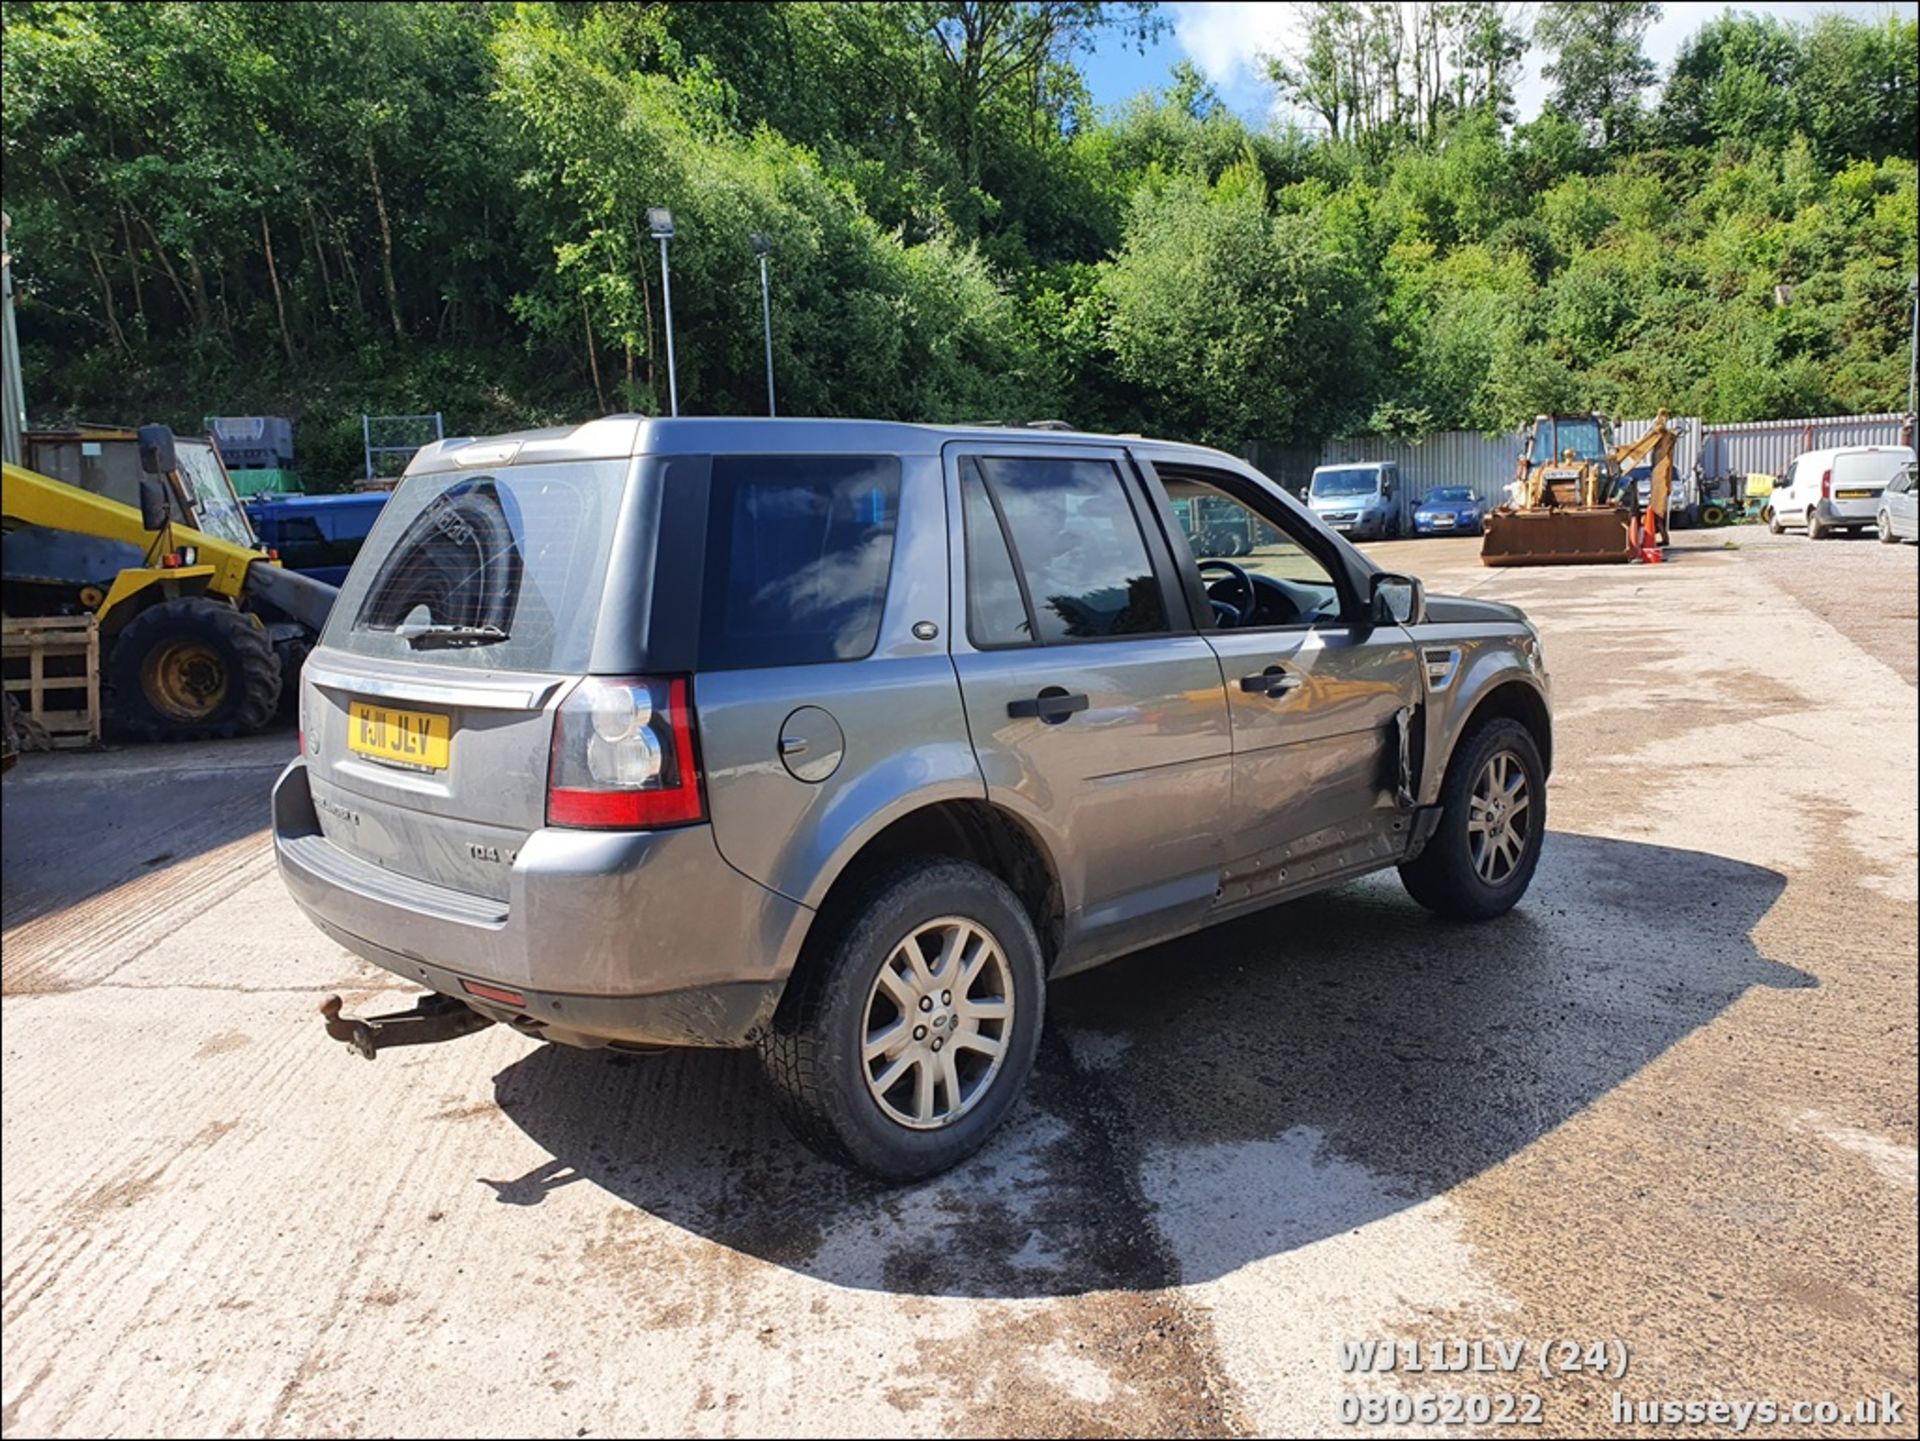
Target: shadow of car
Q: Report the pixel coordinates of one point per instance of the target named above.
(1226, 1097)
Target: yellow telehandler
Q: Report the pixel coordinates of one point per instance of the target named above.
(1578, 504)
(197, 628)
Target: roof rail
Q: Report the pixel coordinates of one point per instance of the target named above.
(1024, 424)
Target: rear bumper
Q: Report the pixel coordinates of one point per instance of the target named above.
(638, 937)
(1849, 512)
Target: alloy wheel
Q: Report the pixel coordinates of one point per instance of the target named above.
(1499, 818)
(938, 1020)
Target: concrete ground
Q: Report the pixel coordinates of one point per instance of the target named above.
(1669, 1101)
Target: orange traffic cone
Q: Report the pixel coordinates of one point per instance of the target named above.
(1649, 538)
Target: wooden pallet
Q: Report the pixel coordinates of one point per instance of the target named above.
(51, 667)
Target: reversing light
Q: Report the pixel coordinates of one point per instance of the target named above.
(623, 756)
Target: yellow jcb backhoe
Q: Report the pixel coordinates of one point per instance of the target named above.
(1578, 503)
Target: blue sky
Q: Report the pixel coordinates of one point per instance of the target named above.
(1226, 40)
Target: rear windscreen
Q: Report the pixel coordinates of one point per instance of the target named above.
(499, 571)
(1867, 469)
(798, 552)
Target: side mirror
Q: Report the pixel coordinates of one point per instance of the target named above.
(1398, 600)
(156, 508)
(156, 451)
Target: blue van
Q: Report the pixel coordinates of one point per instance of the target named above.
(317, 535)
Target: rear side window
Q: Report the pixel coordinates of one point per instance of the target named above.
(798, 553)
(1077, 547)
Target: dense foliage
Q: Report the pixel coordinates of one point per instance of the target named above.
(318, 209)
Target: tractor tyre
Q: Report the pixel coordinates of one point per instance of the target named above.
(193, 668)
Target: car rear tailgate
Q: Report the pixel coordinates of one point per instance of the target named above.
(459, 824)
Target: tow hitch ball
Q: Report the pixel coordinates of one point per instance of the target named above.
(434, 1017)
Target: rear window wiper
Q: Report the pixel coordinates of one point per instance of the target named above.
(452, 637)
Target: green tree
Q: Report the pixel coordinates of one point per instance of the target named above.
(1234, 322)
(1598, 67)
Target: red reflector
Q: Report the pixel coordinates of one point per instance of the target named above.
(623, 810)
(171, 561)
(272, 554)
(494, 993)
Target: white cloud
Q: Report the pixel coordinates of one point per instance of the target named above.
(1227, 40)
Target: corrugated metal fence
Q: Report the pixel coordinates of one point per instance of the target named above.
(1446, 457)
(1466, 457)
(1767, 447)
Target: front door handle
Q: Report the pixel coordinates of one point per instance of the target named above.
(1273, 682)
(1052, 705)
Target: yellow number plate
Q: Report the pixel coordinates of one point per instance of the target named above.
(1853, 495)
(399, 737)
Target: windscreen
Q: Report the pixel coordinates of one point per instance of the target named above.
(1451, 495)
(1582, 437)
(216, 508)
(498, 571)
(1360, 480)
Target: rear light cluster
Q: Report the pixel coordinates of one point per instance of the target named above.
(1826, 485)
(623, 757)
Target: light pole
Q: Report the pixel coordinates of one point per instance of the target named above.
(1913, 346)
(763, 247)
(660, 223)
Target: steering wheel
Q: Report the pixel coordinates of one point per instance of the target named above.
(1232, 612)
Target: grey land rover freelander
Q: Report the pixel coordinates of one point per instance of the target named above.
(840, 739)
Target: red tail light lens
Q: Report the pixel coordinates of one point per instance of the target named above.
(1826, 485)
(623, 757)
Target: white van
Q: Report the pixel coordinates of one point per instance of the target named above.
(1829, 490)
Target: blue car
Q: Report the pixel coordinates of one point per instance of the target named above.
(1451, 510)
(317, 535)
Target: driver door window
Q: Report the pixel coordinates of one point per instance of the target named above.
(1314, 688)
(1227, 539)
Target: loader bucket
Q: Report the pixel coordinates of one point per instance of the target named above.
(1557, 537)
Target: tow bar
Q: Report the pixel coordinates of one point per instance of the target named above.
(434, 1017)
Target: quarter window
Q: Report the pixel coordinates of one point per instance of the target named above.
(798, 553)
(996, 614)
(1077, 546)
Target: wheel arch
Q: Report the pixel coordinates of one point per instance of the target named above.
(969, 830)
(135, 591)
(1518, 699)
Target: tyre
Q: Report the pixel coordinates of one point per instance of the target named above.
(904, 1040)
(1815, 530)
(190, 669)
(1773, 523)
(1481, 857)
(292, 658)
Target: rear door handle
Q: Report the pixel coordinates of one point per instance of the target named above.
(1273, 682)
(1052, 705)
